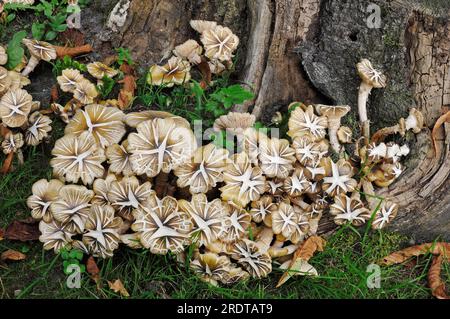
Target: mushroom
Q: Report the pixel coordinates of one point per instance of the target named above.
(262, 210)
(203, 170)
(349, 209)
(219, 43)
(15, 105)
(18, 81)
(176, 71)
(249, 255)
(318, 170)
(236, 224)
(128, 194)
(159, 145)
(207, 217)
(72, 207)
(85, 92)
(414, 121)
(284, 220)
(344, 135)
(119, 159)
(3, 56)
(131, 240)
(376, 152)
(334, 113)
(275, 187)
(68, 80)
(307, 151)
(39, 50)
(161, 227)
(276, 157)
(38, 129)
(189, 50)
(44, 193)
(382, 133)
(296, 184)
(101, 235)
(101, 188)
(54, 235)
(243, 183)
(201, 25)
(234, 122)
(103, 123)
(250, 143)
(234, 275)
(5, 81)
(133, 119)
(99, 70)
(371, 78)
(211, 267)
(12, 143)
(78, 158)
(340, 178)
(387, 212)
(305, 122)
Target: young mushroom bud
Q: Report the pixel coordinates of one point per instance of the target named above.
(39, 50)
(334, 115)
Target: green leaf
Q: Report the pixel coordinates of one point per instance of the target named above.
(10, 17)
(50, 35)
(106, 87)
(124, 55)
(76, 254)
(14, 50)
(38, 30)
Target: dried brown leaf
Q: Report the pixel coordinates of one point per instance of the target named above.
(72, 37)
(12, 255)
(117, 287)
(23, 230)
(93, 270)
(7, 163)
(126, 94)
(434, 278)
(403, 255)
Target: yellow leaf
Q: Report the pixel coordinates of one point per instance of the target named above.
(117, 286)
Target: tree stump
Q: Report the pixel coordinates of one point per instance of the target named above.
(306, 50)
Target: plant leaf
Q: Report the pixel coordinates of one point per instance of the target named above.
(117, 287)
(14, 50)
(12, 255)
(435, 282)
(403, 255)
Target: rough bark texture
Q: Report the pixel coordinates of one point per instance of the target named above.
(307, 50)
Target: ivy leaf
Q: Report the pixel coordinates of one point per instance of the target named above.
(14, 50)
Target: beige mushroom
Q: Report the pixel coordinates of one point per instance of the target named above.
(176, 71)
(38, 129)
(276, 157)
(99, 70)
(85, 92)
(189, 50)
(3, 56)
(334, 113)
(296, 184)
(68, 80)
(340, 178)
(262, 210)
(18, 81)
(119, 159)
(285, 220)
(5, 81)
(344, 135)
(387, 212)
(307, 151)
(211, 267)
(39, 50)
(305, 122)
(414, 121)
(133, 119)
(249, 255)
(15, 106)
(219, 43)
(234, 122)
(236, 224)
(12, 143)
(349, 209)
(201, 25)
(101, 188)
(54, 235)
(44, 193)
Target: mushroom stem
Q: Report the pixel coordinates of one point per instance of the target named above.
(369, 193)
(20, 158)
(32, 63)
(363, 96)
(333, 126)
(265, 238)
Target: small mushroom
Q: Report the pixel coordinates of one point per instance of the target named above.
(176, 71)
(211, 267)
(220, 43)
(38, 129)
(12, 143)
(54, 235)
(334, 113)
(101, 188)
(376, 152)
(349, 209)
(344, 135)
(307, 151)
(296, 184)
(371, 78)
(5, 81)
(262, 210)
(68, 80)
(382, 133)
(133, 119)
(39, 50)
(236, 224)
(18, 81)
(234, 122)
(3, 56)
(284, 220)
(249, 255)
(85, 92)
(250, 143)
(340, 178)
(414, 121)
(276, 157)
(15, 106)
(387, 212)
(305, 122)
(72, 207)
(44, 193)
(99, 70)
(189, 50)
(119, 159)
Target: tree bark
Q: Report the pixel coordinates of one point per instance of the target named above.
(306, 50)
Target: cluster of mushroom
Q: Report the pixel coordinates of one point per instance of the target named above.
(21, 120)
(219, 44)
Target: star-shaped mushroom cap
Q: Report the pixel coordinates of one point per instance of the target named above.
(161, 227)
(101, 188)
(54, 235)
(176, 71)
(72, 207)
(339, 180)
(248, 254)
(119, 159)
(276, 157)
(38, 129)
(203, 170)
(346, 209)
(15, 105)
(189, 50)
(40, 49)
(297, 184)
(370, 75)
(234, 122)
(68, 80)
(133, 119)
(305, 122)
(101, 235)
(78, 158)
(44, 193)
(99, 70)
(103, 122)
(211, 267)
(159, 145)
(262, 210)
(308, 152)
(127, 195)
(3, 56)
(243, 183)
(5, 81)
(207, 217)
(85, 92)
(219, 43)
(236, 223)
(12, 142)
(285, 220)
(387, 212)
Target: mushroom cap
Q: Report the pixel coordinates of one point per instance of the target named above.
(54, 235)
(68, 80)
(161, 227)
(235, 122)
(236, 224)
(387, 212)
(201, 25)
(104, 123)
(44, 193)
(15, 105)
(250, 143)
(78, 157)
(119, 159)
(133, 119)
(307, 151)
(248, 254)
(305, 122)
(101, 188)
(333, 111)
(285, 220)
(5, 81)
(85, 92)
(175, 71)
(203, 170)
(72, 207)
(131, 240)
(339, 180)
(3, 56)
(38, 129)
(207, 217)
(12, 142)
(276, 157)
(296, 184)
(189, 50)
(18, 81)
(346, 209)
(128, 194)
(99, 70)
(40, 49)
(376, 152)
(370, 75)
(219, 43)
(243, 183)
(211, 267)
(344, 134)
(217, 67)
(159, 145)
(414, 121)
(262, 210)
(102, 231)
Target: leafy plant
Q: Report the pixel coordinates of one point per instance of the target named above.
(72, 257)
(15, 50)
(124, 55)
(106, 87)
(67, 63)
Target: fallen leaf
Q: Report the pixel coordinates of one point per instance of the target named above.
(72, 37)
(62, 51)
(23, 230)
(93, 271)
(441, 120)
(7, 163)
(54, 94)
(12, 255)
(205, 70)
(117, 287)
(126, 94)
(403, 255)
(434, 278)
(299, 264)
